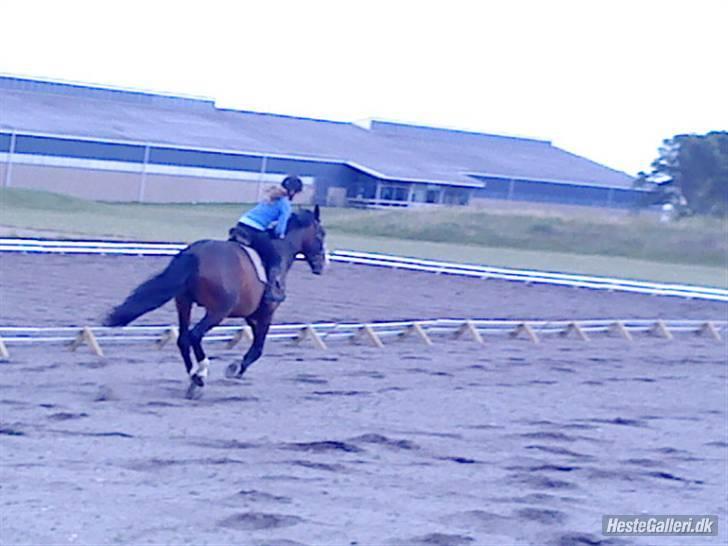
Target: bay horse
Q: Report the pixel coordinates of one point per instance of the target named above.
(220, 276)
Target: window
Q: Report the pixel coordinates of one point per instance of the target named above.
(391, 192)
(455, 196)
(433, 196)
(426, 194)
(362, 189)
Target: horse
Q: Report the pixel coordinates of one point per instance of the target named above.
(220, 276)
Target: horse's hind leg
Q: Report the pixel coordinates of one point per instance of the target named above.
(184, 310)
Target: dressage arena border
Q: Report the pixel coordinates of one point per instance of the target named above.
(373, 333)
(26, 245)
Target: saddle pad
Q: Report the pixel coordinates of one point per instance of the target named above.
(257, 263)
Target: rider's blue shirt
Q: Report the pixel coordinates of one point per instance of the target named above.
(263, 215)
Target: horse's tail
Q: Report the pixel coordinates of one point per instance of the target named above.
(156, 291)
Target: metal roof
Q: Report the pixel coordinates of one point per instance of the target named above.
(392, 150)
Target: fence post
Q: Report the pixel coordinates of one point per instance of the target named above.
(261, 174)
(143, 179)
(9, 162)
(511, 188)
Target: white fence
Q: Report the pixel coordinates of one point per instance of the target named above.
(374, 333)
(384, 260)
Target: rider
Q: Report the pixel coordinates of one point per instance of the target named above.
(254, 224)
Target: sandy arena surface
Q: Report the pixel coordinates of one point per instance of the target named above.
(458, 444)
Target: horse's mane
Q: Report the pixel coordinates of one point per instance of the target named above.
(301, 219)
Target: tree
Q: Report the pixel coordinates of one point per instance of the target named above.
(692, 169)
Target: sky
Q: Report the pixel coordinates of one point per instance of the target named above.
(608, 80)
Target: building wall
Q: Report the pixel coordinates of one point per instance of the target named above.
(130, 172)
(362, 186)
(556, 193)
(536, 208)
(85, 183)
(181, 189)
(118, 171)
(332, 184)
(106, 185)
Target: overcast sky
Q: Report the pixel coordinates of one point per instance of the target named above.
(604, 79)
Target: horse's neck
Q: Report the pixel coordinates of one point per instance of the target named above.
(288, 248)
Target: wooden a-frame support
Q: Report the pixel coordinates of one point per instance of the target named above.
(575, 328)
(417, 330)
(171, 334)
(367, 332)
(86, 336)
(525, 328)
(4, 354)
(244, 332)
(660, 330)
(468, 328)
(309, 332)
(709, 329)
(619, 328)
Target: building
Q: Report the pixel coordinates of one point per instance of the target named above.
(120, 145)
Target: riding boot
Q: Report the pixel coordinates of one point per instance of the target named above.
(275, 290)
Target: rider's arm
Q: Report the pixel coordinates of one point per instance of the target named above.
(284, 206)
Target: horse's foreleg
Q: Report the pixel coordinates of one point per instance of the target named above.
(260, 327)
(198, 373)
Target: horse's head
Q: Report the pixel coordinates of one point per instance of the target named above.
(312, 236)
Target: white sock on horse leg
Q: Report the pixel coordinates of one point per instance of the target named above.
(204, 366)
(200, 368)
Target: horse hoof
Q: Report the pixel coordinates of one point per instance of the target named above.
(197, 380)
(194, 392)
(231, 372)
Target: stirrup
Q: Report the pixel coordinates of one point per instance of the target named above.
(274, 294)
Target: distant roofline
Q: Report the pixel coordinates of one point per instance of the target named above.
(31, 80)
(390, 178)
(108, 92)
(368, 123)
(617, 171)
(286, 116)
(566, 182)
(371, 123)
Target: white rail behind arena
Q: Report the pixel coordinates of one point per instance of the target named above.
(383, 260)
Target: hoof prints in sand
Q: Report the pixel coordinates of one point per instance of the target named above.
(254, 521)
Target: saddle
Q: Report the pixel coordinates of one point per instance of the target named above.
(243, 242)
(238, 236)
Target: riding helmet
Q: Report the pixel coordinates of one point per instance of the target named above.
(293, 184)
